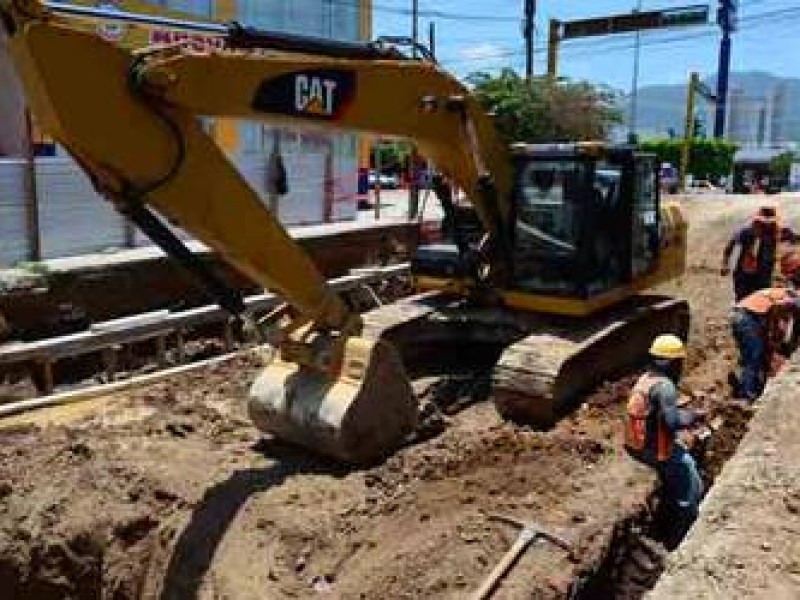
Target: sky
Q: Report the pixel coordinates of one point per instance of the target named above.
(487, 36)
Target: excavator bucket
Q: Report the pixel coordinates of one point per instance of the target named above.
(358, 418)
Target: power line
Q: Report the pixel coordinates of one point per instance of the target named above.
(431, 13)
(776, 17)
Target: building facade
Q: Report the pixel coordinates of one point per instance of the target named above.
(321, 168)
(762, 119)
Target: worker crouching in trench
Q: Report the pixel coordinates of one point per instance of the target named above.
(652, 427)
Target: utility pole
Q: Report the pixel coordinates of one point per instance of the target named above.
(432, 38)
(635, 83)
(528, 28)
(689, 130)
(553, 41)
(413, 189)
(414, 26)
(726, 18)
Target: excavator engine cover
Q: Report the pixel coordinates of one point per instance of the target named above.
(358, 418)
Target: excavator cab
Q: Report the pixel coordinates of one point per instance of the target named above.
(586, 221)
(587, 218)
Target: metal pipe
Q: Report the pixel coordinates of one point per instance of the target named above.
(236, 35)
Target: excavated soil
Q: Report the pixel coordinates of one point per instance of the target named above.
(169, 493)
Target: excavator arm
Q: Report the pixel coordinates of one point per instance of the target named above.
(130, 119)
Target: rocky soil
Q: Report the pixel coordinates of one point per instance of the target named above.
(168, 492)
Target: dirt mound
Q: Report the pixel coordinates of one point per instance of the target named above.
(170, 493)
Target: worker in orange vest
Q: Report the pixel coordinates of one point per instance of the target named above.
(653, 421)
(758, 242)
(762, 323)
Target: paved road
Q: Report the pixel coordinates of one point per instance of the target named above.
(394, 204)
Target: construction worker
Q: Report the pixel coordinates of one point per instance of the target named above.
(758, 242)
(761, 324)
(653, 422)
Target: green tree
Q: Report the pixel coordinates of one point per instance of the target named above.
(781, 165)
(542, 111)
(394, 155)
(708, 158)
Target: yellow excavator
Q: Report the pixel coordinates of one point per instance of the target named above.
(540, 281)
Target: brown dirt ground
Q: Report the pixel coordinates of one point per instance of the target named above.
(168, 492)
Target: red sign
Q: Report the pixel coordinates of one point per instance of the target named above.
(198, 42)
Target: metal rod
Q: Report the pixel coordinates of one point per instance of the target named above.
(105, 14)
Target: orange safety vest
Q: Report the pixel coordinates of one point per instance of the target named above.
(636, 419)
(762, 301)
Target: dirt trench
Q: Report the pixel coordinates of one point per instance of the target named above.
(169, 492)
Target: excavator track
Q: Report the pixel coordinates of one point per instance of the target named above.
(540, 364)
(538, 378)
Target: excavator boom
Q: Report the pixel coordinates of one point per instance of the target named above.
(131, 121)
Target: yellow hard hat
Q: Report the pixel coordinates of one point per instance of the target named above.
(668, 346)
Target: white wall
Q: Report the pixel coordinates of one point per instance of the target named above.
(74, 219)
(13, 243)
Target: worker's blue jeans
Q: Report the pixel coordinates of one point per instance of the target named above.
(748, 331)
(683, 486)
(682, 493)
(681, 490)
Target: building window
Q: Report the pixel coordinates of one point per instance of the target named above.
(201, 8)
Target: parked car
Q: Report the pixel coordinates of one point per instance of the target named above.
(387, 182)
(703, 186)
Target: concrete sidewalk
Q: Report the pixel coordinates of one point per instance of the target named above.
(31, 276)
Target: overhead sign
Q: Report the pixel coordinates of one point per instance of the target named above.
(636, 21)
(197, 42)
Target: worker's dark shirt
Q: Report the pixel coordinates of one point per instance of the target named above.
(746, 237)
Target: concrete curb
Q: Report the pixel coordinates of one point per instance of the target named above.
(746, 543)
